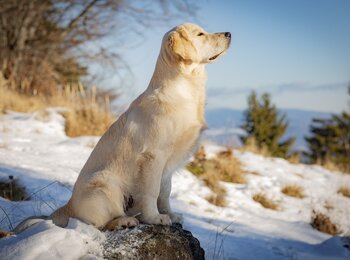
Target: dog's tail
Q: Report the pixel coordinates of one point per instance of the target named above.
(27, 223)
(60, 217)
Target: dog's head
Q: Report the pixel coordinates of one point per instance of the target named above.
(191, 44)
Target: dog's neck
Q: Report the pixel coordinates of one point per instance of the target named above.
(166, 71)
(185, 82)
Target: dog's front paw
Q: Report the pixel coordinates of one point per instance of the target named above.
(159, 219)
(121, 222)
(176, 218)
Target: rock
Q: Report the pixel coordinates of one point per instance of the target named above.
(152, 242)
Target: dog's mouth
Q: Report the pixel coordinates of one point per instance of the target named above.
(217, 55)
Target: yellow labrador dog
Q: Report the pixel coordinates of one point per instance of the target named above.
(129, 172)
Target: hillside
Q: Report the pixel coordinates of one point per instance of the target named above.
(37, 153)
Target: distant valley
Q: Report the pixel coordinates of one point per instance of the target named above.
(224, 125)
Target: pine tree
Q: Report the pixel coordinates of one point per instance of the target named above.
(330, 141)
(264, 123)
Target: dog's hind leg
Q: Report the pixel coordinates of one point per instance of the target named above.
(99, 200)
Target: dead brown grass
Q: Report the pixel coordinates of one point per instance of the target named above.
(265, 201)
(223, 167)
(251, 146)
(329, 165)
(218, 200)
(294, 158)
(323, 223)
(3, 146)
(328, 205)
(86, 112)
(10, 100)
(86, 121)
(230, 168)
(293, 191)
(345, 191)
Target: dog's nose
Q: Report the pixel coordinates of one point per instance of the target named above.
(227, 34)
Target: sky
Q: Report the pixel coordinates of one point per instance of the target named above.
(296, 50)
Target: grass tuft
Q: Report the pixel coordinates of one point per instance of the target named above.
(293, 191)
(217, 199)
(86, 121)
(223, 167)
(345, 191)
(252, 146)
(323, 223)
(265, 201)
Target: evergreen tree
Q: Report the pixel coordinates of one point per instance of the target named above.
(330, 141)
(264, 123)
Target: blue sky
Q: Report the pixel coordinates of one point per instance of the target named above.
(297, 50)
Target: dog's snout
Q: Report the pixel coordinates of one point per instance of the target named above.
(227, 34)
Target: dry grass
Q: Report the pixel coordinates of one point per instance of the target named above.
(223, 167)
(323, 223)
(86, 121)
(10, 100)
(218, 200)
(328, 205)
(265, 201)
(251, 146)
(293, 191)
(230, 168)
(345, 191)
(294, 158)
(3, 146)
(87, 113)
(330, 165)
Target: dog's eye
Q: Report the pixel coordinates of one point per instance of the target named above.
(200, 34)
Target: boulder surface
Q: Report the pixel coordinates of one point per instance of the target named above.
(152, 242)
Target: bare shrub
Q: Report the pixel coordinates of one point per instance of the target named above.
(293, 191)
(265, 201)
(345, 191)
(45, 44)
(323, 223)
(10, 189)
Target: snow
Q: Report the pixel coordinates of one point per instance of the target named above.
(35, 150)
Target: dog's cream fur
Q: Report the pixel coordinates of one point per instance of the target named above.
(137, 155)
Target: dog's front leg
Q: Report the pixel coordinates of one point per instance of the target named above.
(150, 167)
(164, 199)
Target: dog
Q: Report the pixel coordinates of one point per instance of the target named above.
(127, 177)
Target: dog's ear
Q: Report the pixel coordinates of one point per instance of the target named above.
(180, 44)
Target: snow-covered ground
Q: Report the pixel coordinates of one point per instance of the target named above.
(35, 150)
